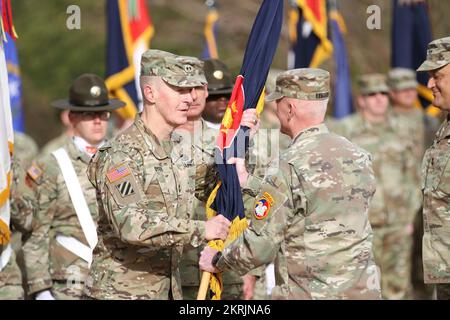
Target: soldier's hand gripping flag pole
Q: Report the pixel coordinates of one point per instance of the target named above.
(248, 92)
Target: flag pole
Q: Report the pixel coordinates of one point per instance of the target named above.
(204, 285)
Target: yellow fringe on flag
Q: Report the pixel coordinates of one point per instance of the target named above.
(5, 234)
(236, 229)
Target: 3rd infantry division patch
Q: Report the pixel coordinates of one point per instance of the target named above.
(125, 188)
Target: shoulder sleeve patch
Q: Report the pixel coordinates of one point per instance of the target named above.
(123, 185)
(35, 172)
(118, 172)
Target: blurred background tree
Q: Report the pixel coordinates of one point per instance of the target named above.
(51, 55)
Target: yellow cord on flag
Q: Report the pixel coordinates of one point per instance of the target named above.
(214, 281)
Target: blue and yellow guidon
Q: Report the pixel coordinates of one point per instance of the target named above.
(263, 205)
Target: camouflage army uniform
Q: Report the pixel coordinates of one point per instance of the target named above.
(394, 204)
(310, 217)
(317, 230)
(22, 206)
(142, 234)
(144, 187)
(435, 188)
(414, 125)
(49, 265)
(25, 147)
(54, 144)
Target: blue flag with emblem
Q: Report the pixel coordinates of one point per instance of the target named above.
(232, 141)
(411, 33)
(15, 84)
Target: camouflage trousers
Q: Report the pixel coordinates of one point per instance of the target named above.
(230, 292)
(62, 290)
(443, 291)
(11, 281)
(392, 247)
(421, 290)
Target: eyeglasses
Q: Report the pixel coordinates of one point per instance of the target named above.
(372, 94)
(91, 115)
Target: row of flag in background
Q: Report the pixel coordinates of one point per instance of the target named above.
(316, 33)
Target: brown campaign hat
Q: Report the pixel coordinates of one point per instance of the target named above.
(88, 93)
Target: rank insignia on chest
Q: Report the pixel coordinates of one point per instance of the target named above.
(125, 188)
(262, 206)
(118, 172)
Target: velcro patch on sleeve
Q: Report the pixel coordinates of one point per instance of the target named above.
(118, 172)
(35, 172)
(262, 206)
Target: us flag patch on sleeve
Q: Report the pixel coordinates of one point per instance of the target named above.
(35, 172)
(118, 172)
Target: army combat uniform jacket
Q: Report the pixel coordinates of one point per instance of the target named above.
(436, 208)
(46, 259)
(311, 218)
(143, 191)
(395, 167)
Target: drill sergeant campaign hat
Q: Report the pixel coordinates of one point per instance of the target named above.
(219, 77)
(179, 71)
(88, 92)
(304, 84)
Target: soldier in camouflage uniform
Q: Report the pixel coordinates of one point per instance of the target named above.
(436, 175)
(58, 253)
(143, 188)
(310, 217)
(62, 139)
(22, 206)
(393, 206)
(412, 124)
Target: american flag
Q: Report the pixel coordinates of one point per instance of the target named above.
(118, 172)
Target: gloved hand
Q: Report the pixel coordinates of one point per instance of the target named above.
(44, 295)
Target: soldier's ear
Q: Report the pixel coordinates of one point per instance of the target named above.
(361, 101)
(149, 93)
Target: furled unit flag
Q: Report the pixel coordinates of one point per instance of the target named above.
(411, 33)
(210, 50)
(342, 81)
(308, 34)
(248, 92)
(129, 29)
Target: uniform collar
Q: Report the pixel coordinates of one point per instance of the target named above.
(75, 153)
(309, 132)
(154, 144)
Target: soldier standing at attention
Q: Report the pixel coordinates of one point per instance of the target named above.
(394, 165)
(436, 175)
(59, 251)
(310, 217)
(143, 189)
(419, 128)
